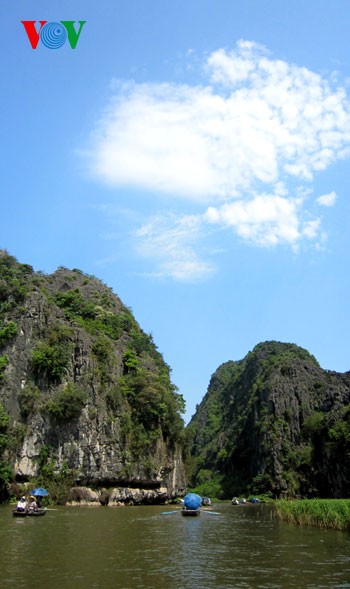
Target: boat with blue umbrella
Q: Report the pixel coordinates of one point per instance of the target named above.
(192, 503)
(31, 509)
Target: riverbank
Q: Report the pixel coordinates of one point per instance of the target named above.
(322, 513)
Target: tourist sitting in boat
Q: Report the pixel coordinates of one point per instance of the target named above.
(32, 506)
(206, 501)
(21, 504)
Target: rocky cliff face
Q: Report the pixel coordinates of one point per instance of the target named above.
(83, 389)
(274, 422)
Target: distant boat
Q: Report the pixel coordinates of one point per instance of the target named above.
(236, 501)
(206, 501)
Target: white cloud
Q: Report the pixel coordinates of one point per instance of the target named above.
(327, 200)
(311, 229)
(234, 145)
(264, 220)
(260, 119)
(154, 138)
(168, 239)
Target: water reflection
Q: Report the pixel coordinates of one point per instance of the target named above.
(139, 548)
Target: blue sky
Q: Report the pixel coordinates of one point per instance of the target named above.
(194, 156)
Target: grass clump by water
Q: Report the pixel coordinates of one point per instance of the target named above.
(322, 513)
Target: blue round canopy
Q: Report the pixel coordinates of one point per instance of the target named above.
(192, 501)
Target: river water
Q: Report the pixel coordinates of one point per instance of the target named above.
(142, 548)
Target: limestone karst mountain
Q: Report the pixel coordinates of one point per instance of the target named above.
(84, 393)
(86, 401)
(274, 422)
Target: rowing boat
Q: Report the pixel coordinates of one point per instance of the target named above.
(190, 512)
(29, 513)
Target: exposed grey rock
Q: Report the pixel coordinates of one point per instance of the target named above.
(274, 422)
(126, 428)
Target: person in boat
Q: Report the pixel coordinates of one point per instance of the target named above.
(32, 506)
(206, 501)
(21, 504)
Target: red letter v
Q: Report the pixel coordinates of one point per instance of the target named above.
(31, 31)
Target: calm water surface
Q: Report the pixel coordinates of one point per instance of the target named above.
(139, 548)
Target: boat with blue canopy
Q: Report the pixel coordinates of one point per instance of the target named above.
(192, 503)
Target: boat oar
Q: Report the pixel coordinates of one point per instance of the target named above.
(168, 512)
(210, 512)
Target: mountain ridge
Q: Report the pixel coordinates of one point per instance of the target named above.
(87, 401)
(274, 422)
(83, 389)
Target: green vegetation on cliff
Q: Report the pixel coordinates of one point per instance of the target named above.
(79, 375)
(274, 423)
(5, 440)
(85, 396)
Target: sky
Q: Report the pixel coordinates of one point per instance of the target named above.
(192, 155)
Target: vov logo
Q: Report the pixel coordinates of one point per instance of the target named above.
(53, 35)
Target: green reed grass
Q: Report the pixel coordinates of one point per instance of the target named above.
(323, 513)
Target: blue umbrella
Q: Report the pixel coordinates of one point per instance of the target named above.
(39, 492)
(192, 501)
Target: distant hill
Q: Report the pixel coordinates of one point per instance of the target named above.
(274, 422)
(84, 393)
